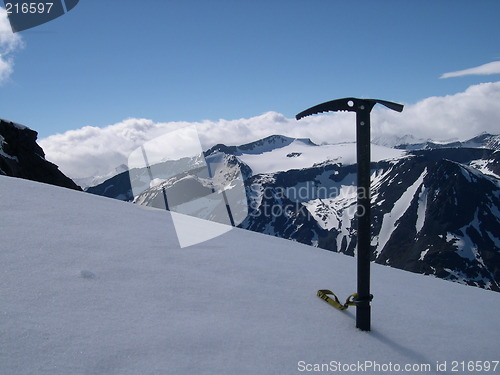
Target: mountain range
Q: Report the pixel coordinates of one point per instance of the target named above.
(435, 206)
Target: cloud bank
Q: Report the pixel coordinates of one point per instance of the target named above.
(486, 69)
(9, 42)
(93, 151)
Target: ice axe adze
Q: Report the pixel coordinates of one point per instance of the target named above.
(362, 107)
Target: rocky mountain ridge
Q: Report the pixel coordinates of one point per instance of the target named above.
(21, 156)
(435, 211)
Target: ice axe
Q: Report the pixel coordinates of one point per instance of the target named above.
(362, 107)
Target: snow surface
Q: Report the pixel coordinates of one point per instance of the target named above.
(91, 285)
(482, 166)
(422, 208)
(391, 219)
(301, 154)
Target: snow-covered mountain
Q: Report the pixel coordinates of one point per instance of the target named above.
(97, 286)
(92, 181)
(117, 187)
(434, 210)
(431, 213)
(408, 142)
(397, 140)
(279, 153)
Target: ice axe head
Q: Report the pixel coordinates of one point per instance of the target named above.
(348, 104)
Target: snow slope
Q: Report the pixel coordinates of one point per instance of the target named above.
(90, 285)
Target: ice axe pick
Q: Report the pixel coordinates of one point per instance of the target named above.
(362, 107)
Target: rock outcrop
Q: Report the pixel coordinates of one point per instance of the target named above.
(22, 157)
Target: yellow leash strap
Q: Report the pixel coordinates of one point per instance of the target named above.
(350, 301)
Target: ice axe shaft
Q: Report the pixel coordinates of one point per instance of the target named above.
(362, 107)
(363, 309)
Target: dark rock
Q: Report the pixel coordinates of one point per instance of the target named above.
(22, 157)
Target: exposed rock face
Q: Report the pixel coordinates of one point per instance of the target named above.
(21, 156)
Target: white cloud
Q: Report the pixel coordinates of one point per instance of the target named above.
(9, 42)
(5, 68)
(486, 69)
(459, 116)
(92, 151)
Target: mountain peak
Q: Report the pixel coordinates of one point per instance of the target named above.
(267, 144)
(409, 142)
(484, 140)
(272, 142)
(21, 156)
(397, 140)
(14, 125)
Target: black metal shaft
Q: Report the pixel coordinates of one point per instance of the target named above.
(362, 107)
(363, 309)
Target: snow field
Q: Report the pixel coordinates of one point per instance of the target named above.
(306, 155)
(90, 285)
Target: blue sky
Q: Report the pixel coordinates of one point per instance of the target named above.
(109, 60)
